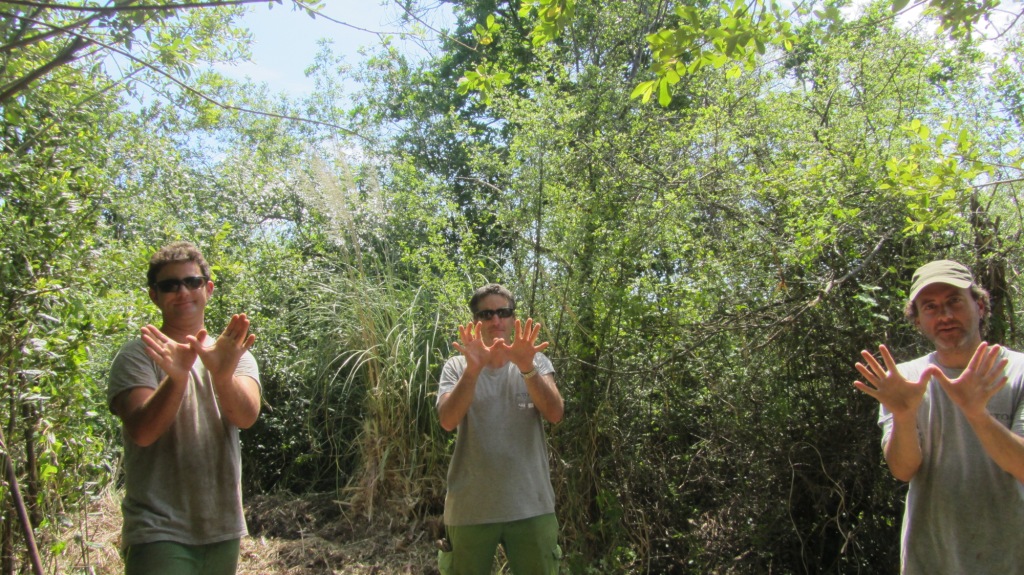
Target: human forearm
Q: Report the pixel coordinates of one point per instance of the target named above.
(148, 413)
(454, 405)
(545, 396)
(903, 450)
(239, 400)
(1002, 445)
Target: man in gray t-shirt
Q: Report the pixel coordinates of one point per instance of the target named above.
(182, 396)
(498, 394)
(953, 426)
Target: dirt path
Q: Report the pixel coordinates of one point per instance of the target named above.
(290, 535)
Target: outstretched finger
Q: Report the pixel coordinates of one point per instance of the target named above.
(237, 328)
(936, 372)
(149, 340)
(995, 373)
(529, 330)
(890, 363)
(153, 333)
(991, 360)
(999, 383)
(869, 360)
(866, 388)
(869, 376)
(466, 333)
(197, 340)
(978, 359)
(535, 333)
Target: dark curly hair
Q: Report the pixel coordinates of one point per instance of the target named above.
(176, 252)
(491, 289)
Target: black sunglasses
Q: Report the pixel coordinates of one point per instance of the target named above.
(487, 314)
(173, 285)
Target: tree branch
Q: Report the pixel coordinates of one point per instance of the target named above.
(15, 87)
(66, 56)
(134, 8)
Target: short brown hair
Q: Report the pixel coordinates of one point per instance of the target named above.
(173, 253)
(491, 289)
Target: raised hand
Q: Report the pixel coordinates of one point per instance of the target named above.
(522, 349)
(984, 376)
(891, 389)
(222, 357)
(471, 345)
(176, 359)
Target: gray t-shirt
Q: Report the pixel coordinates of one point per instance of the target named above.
(186, 486)
(499, 471)
(964, 514)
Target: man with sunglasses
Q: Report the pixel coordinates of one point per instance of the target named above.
(497, 394)
(182, 396)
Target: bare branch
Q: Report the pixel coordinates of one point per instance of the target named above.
(133, 8)
(438, 32)
(996, 183)
(81, 41)
(65, 56)
(54, 31)
(222, 105)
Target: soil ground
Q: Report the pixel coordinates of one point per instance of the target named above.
(289, 535)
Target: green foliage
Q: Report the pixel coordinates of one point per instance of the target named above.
(552, 16)
(485, 79)
(935, 193)
(55, 145)
(699, 36)
(706, 271)
(734, 36)
(38, 39)
(1008, 76)
(957, 17)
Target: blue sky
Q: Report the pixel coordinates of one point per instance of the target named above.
(285, 41)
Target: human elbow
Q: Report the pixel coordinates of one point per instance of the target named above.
(904, 474)
(140, 437)
(555, 415)
(448, 426)
(248, 421)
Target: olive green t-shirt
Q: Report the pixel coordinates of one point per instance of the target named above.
(186, 486)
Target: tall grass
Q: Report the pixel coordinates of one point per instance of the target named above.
(371, 397)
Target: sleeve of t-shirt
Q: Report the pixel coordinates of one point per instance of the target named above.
(132, 368)
(450, 374)
(542, 364)
(247, 367)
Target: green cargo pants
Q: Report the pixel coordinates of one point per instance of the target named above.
(531, 546)
(170, 558)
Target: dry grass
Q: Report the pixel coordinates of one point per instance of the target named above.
(289, 535)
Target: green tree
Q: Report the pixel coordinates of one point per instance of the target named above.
(709, 271)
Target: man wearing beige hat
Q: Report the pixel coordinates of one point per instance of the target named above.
(952, 425)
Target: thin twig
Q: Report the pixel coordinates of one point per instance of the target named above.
(19, 506)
